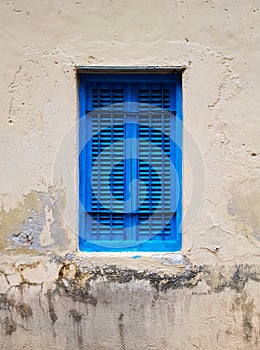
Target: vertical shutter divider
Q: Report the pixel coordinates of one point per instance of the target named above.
(127, 167)
(98, 175)
(134, 162)
(163, 173)
(112, 163)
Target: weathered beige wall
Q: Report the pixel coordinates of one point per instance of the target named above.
(209, 299)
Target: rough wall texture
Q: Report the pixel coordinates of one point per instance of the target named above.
(208, 298)
(80, 303)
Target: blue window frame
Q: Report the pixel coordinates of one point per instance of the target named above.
(130, 162)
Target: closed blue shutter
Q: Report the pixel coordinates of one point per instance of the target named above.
(140, 214)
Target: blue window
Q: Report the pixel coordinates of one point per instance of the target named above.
(130, 162)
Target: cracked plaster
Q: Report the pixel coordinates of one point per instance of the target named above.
(81, 300)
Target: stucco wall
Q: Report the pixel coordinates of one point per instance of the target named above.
(207, 297)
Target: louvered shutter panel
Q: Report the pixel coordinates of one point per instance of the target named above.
(154, 126)
(107, 127)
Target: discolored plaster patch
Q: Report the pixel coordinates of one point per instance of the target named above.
(244, 204)
(36, 224)
(233, 277)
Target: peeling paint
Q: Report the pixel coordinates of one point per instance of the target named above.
(31, 226)
(205, 297)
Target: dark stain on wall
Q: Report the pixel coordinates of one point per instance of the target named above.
(52, 312)
(233, 277)
(3, 301)
(113, 274)
(80, 286)
(77, 316)
(121, 330)
(24, 310)
(9, 325)
(243, 303)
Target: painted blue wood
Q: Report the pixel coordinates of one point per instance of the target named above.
(179, 138)
(153, 245)
(82, 159)
(134, 161)
(122, 229)
(131, 78)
